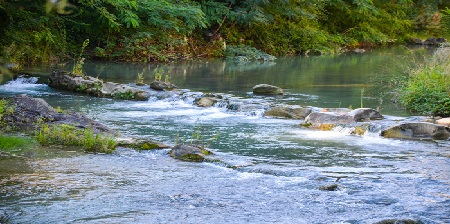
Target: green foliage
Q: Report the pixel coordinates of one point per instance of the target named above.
(427, 89)
(68, 135)
(162, 30)
(446, 21)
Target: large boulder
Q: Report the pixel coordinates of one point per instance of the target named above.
(265, 89)
(28, 112)
(161, 86)
(418, 130)
(23, 113)
(77, 83)
(357, 115)
(292, 112)
(126, 92)
(191, 153)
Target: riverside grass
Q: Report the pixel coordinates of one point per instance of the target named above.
(10, 143)
(68, 135)
(426, 89)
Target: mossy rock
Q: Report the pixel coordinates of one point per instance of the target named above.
(190, 153)
(140, 144)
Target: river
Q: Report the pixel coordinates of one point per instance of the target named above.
(277, 169)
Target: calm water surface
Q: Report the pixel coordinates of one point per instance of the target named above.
(279, 167)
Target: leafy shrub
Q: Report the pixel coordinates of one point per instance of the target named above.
(427, 90)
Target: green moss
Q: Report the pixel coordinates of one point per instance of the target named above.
(148, 146)
(206, 152)
(326, 127)
(192, 158)
(126, 95)
(306, 124)
(359, 130)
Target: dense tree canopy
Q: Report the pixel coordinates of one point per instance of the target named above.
(155, 30)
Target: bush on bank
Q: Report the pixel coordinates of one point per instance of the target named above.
(426, 90)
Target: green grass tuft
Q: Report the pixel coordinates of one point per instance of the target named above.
(10, 143)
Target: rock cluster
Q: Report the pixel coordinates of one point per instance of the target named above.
(96, 87)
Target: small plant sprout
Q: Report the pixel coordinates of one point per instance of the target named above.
(140, 78)
(362, 95)
(158, 74)
(78, 65)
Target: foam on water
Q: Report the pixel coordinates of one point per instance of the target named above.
(23, 85)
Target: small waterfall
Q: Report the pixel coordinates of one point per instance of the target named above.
(23, 85)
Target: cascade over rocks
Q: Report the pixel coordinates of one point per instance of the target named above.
(265, 89)
(358, 115)
(418, 130)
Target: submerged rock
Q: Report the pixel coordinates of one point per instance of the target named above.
(399, 221)
(161, 86)
(332, 187)
(205, 102)
(265, 89)
(191, 153)
(292, 112)
(418, 130)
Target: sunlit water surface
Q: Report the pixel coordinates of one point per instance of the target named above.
(278, 167)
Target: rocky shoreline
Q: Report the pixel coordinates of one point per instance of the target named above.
(28, 113)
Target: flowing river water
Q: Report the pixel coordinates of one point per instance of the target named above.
(277, 167)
